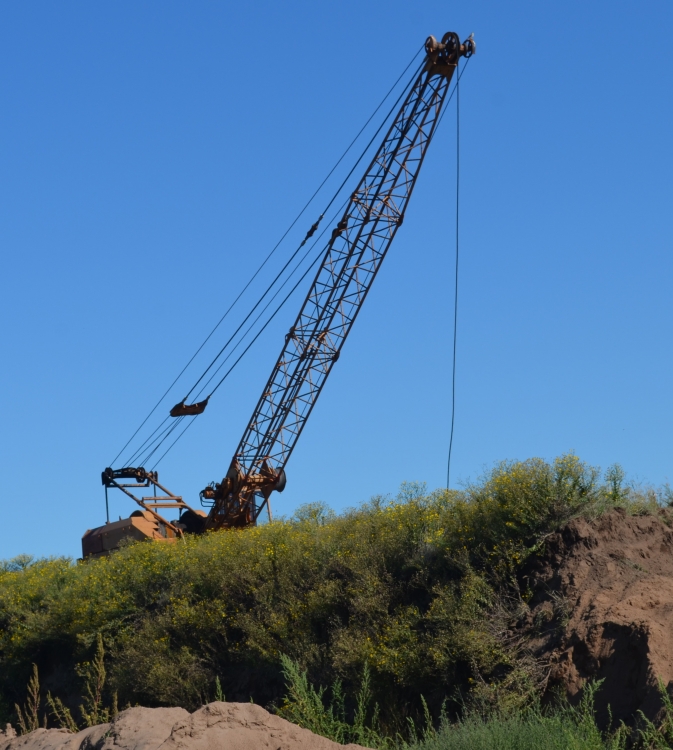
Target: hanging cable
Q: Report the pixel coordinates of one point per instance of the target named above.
(275, 294)
(455, 302)
(148, 454)
(165, 434)
(268, 304)
(189, 424)
(244, 352)
(280, 273)
(139, 450)
(450, 97)
(264, 262)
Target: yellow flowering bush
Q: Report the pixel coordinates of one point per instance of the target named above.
(404, 585)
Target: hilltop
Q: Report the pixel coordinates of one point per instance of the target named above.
(538, 576)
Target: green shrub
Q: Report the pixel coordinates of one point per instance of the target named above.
(408, 586)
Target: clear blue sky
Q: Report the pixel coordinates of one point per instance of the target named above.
(151, 153)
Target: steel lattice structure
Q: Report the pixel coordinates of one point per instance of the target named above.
(352, 259)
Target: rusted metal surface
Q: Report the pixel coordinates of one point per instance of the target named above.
(145, 523)
(139, 526)
(442, 57)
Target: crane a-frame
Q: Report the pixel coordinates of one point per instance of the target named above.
(353, 256)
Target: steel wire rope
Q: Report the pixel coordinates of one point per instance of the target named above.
(170, 431)
(455, 299)
(259, 333)
(336, 194)
(411, 83)
(148, 442)
(268, 257)
(448, 101)
(266, 307)
(165, 434)
(327, 207)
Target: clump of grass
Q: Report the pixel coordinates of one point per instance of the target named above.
(659, 737)
(563, 727)
(28, 717)
(92, 708)
(93, 673)
(309, 708)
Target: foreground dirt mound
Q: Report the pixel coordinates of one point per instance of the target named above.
(217, 726)
(602, 608)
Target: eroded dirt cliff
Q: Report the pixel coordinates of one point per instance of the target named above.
(602, 608)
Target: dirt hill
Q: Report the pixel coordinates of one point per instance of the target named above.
(217, 726)
(602, 608)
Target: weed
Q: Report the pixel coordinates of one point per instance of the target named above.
(28, 718)
(306, 706)
(93, 672)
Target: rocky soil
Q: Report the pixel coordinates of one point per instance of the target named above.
(217, 726)
(602, 608)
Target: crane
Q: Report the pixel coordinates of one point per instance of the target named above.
(356, 248)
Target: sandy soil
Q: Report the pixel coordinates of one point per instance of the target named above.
(217, 726)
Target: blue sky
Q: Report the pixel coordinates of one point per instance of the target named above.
(152, 153)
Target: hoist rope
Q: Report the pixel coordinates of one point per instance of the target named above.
(243, 353)
(165, 434)
(324, 211)
(148, 442)
(264, 262)
(455, 299)
(268, 304)
(170, 431)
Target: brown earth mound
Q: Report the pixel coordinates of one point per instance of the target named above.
(602, 608)
(217, 726)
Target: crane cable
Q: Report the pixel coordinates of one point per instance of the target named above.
(268, 257)
(291, 292)
(165, 434)
(455, 91)
(258, 334)
(455, 299)
(313, 228)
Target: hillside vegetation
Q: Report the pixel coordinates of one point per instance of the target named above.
(411, 592)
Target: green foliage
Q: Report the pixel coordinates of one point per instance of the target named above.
(93, 673)
(61, 714)
(527, 729)
(408, 586)
(28, 717)
(562, 727)
(306, 706)
(660, 737)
